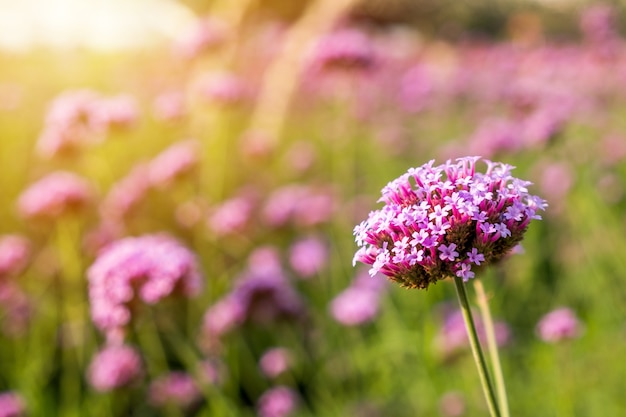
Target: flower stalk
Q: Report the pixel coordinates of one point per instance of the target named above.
(492, 346)
(477, 352)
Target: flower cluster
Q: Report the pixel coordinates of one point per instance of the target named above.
(433, 227)
(114, 367)
(149, 267)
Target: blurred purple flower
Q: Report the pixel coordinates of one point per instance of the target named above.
(17, 309)
(308, 256)
(127, 193)
(452, 404)
(118, 111)
(452, 335)
(275, 361)
(344, 49)
(279, 401)
(175, 388)
(300, 205)
(169, 106)
(54, 195)
(174, 162)
(431, 224)
(416, 89)
(114, 367)
(149, 268)
(221, 88)
(355, 306)
(560, 324)
(12, 404)
(207, 34)
(15, 252)
(231, 216)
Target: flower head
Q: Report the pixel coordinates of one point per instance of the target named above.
(557, 325)
(441, 221)
(11, 404)
(114, 367)
(176, 388)
(279, 401)
(149, 268)
(15, 253)
(55, 194)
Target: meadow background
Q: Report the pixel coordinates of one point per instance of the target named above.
(257, 138)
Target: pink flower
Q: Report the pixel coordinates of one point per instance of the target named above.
(452, 336)
(207, 34)
(221, 88)
(560, 324)
(54, 195)
(275, 361)
(15, 253)
(148, 268)
(346, 48)
(355, 306)
(11, 405)
(174, 162)
(169, 106)
(176, 388)
(435, 216)
(279, 401)
(231, 216)
(127, 193)
(308, 256)
(300, 205)
(118, 111)
(114, 367)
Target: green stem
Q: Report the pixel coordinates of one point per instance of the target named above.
(479, 358)
(492, 346)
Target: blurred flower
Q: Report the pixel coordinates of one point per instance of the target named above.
(597, 22)
(416, 89)
(300, 205)
(174, 162)
(440, 227)
(355, 306)
(17, 309)
(148, 267)
(77, 118)
(279, 401)
(176, 388)
(221, 88)
(231, 216)
(169, 106)
(275, 361)
(452, 404)
(54, 195)
(452, 335)
(114, 367)
(496, 135)
(118, 111)
(560, 324)
(127, 193)
(15, 252)
(222, 317)
(301, 156)
(12, 404)
(556, 180)
(308, 256)
(207, 34)
(344, 49)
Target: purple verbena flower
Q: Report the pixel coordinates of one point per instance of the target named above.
(15, 253)
(275, 361)
(459, 219)
(54, 195)
(559, 324)
(279, 401)
(11, 404)
(114, 367)
(308, 256)
(176, 388)
(147, 268)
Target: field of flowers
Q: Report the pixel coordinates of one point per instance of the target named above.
(178, 225)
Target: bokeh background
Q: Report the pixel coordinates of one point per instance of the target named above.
(236, 144)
